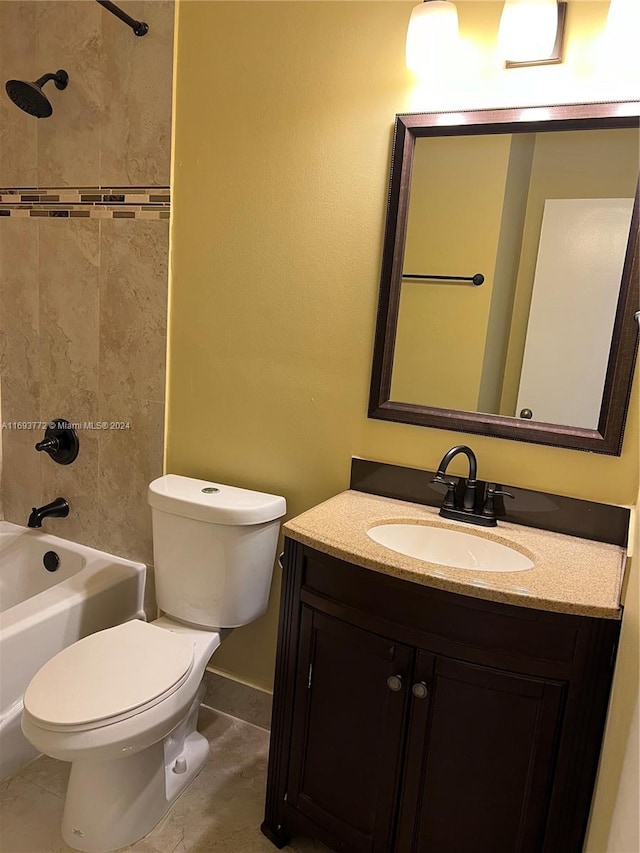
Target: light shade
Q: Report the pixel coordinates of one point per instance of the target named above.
(528, 29)
(621, 31)
(432, 37)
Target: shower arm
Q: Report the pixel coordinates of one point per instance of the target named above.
(45, 79)
(139, 27)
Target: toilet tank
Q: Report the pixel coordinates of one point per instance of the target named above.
(214, 548)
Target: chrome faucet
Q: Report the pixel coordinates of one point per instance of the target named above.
(56, 509)
(466, 498)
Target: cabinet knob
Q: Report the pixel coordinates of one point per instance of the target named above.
(394, 682)
(419, 690)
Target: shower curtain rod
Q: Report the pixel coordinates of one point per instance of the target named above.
(139, 27)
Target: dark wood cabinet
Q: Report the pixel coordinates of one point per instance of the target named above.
(412, 720)
(348, 730)
(480, 751)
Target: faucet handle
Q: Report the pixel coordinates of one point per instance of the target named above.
(493, 492)
(450, 498)
(488, 509)
(439, 480)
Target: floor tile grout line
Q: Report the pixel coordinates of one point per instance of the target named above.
(37, 785)
(237, 719)
(31, 784)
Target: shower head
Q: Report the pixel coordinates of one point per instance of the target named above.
(30, 97)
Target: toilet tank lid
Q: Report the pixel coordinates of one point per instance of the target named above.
(215, 503)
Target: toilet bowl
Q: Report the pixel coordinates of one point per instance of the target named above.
(122, 705)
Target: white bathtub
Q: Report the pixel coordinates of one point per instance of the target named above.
(42, 612)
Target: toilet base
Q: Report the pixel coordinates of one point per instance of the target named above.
(111, 804)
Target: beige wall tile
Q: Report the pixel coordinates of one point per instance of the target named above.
(117, 106)
(21, 475)
(69, 37)
(19, 366)
(19, 319)
(133, 308)
(18, 131)
(129, 460)
(137, 74)
(74, 404)
(63, 308)
(69, 304)
(78, 483)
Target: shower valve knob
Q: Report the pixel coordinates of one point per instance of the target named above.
(50, 445)
(60, 441)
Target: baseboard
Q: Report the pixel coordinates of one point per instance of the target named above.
(239, 700)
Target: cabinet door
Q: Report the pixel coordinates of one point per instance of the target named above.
(347, 740)
(480, 759)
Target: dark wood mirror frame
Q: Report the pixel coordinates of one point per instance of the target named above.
(607, 438)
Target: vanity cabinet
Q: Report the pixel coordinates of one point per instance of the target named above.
(480, 748)
(408, 719)
(348, 729)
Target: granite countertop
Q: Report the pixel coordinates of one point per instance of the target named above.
(570, 575)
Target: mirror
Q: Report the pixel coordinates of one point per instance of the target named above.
(510, 274)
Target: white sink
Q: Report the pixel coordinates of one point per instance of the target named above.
(448, 547)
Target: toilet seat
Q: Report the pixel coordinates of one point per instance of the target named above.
(108, 677)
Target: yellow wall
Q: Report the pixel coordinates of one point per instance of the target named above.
(589, 164)
(283, 127)
(614, 825)
(457, 195)
(506, 272)
(466, 192)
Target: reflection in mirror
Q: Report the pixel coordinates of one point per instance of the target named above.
(529, 211)
(544, 214)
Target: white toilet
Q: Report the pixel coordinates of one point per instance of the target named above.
(122, 704)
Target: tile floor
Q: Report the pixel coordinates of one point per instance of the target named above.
(220, 812)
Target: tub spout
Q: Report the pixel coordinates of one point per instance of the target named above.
(56, 509)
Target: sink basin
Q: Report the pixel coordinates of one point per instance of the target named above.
(448, 547)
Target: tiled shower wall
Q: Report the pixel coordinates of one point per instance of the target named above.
(111, 126)
(84, 328)
(83, 287)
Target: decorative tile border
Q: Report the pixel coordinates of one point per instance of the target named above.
(86, 202)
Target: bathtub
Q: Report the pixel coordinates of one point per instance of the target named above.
(43, 611)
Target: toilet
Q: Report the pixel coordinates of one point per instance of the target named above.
(122, 704)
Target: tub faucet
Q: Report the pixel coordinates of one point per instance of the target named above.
(465, 499)
(56, 509)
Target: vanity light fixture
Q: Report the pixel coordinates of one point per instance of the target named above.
(432, 35)
(621, 33)
(532, 32)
